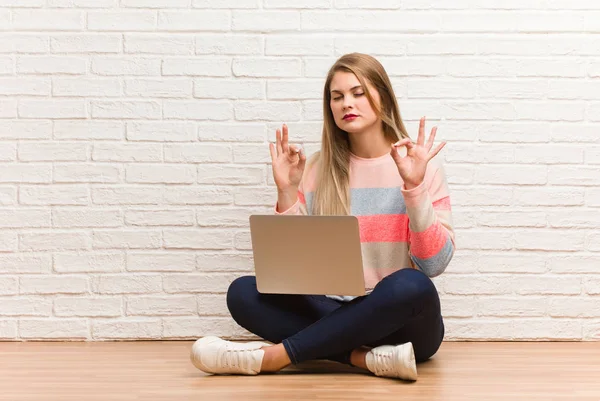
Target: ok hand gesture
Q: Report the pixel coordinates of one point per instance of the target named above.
(288, 163)
(412, 167)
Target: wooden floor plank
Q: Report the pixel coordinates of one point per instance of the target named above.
(161, 370)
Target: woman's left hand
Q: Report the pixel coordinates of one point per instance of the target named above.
(412, 167)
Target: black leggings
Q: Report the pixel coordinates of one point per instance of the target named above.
(403, 307)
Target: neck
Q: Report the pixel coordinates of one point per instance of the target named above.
(370, 143)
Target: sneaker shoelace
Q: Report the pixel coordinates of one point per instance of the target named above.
(233, 358)
(383, 361)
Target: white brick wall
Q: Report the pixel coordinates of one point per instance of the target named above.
(133, 148)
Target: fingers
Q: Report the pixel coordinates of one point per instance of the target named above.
(421, 137)
(404, 142)
(284, 140)
(302, 160)
(273, 153)
(278, 141)
(436, 151)
(431, 139)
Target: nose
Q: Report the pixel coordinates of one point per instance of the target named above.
(347, 102)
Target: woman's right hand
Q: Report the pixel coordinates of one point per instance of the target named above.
(288, 163)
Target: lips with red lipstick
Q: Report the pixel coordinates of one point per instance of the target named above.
(350, 117)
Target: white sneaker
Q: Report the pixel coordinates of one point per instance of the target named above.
(215, 355)
(393, 361)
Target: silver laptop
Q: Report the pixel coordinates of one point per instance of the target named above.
(317, 255)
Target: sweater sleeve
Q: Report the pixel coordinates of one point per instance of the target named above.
(430, 232)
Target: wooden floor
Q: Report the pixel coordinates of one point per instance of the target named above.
(162, 371)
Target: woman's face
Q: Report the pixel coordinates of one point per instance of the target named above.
(350, 107)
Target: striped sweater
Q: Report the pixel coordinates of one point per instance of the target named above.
(399, 228)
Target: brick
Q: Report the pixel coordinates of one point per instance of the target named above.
(26, 263)
(573, 175)
(214, 67)
(300, 4)
(89, 262)
(456, 306)
(229, 44)
(125, 109)
(469, 153)
(8, 195)
(592, 285)
(198, 239)
(547, 240)
(126, 239)
(155, 3)
(198, 110)
(205, 20)
(519, 175)
(592, 197)
(230, 174)
(51, 65)
(228, 89)
(24, 43)
(212, 305)
(8, 152)
(265, 21)
(198, 153)
(566, 218)
(161, 306)
(7, 66)
(550, 67)
(25, 86)
(593, 242)
(255, 196)
(55, 109)
(548, 154)
(88, 306)
(86, 217)
(512, 307)
(372, 21)
(513, 89)
(25, 173)
(219, 262)
(121, 329)
(126, 284)
(91, 173)
(252, 154)
(193, 328)
(592, 155)
(549, 196)
(86, 43)
(517, 262)
(266, 67)
(574, 307)
(160, 262)
(89, 130)
(488, 239)
(287, 45)
(482, 67)
(198, 283)
(225, 3)
(86, 87)
(482, 285)
(8, 329)
(127, 152)
(465, 110)
(121, 20)
(53, 329)
(25, 218)
(18, 306)
(52, 151)
(552, 111)
(232, 132)
(159, 217)
(548, 285)
(227, 217)
(203, 195)
(270, 111)
(161, 131)
(82, 3)
(53, 195)
(130, 65)
(54, 241)
(127, 195)
(53, 284)
(9, 285)
(8, 108)
(47, 20)
(512, 219)
(160, 88)
(158, 44)
(294, 90)
(156, 174)
(243, 241)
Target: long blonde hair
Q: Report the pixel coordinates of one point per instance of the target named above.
(332, 194)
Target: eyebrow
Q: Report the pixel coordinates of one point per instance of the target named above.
(354, 87)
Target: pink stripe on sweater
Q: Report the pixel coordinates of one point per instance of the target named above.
(442, 204)
(429, 242)
(383, 228)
